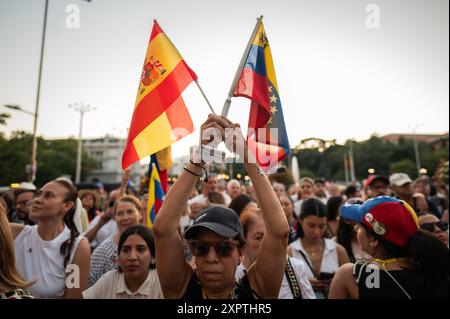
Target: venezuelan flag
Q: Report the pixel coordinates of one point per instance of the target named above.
(258, 83)
(155, 196)
(160, 116)
(163, 161)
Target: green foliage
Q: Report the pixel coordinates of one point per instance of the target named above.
(404, 166)
(3, 117)
(383, 156)
(54, 158)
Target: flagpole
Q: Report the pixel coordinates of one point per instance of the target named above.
(226, 105)
(204, 95)
(196, 81)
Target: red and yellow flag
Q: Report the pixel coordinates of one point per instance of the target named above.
(160, 116)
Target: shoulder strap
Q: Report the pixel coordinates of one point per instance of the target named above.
(394, 280)
(359, 267)
(307, 262)
(292, 280)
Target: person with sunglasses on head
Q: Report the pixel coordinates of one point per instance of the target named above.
(407, 262)
(438, 228)
(216, 238)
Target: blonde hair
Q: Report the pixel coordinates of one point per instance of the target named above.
(10, 278)
(129, 199)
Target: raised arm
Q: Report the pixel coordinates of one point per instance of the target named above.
(266, 274)
(173, 270)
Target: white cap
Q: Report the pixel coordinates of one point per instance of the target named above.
(399, 179)
(26, 185)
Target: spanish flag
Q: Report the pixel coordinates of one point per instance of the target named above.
(160, 116)
(258, 83)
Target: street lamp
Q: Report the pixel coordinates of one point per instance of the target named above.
(33, 164)
(416, 147)
(82, 109)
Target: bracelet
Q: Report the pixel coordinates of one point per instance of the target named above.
(191, 172)
(196, 164)
(203, 168)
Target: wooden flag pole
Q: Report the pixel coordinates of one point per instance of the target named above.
(226, 105)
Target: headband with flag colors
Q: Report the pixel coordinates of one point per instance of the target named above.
(160, 117)
(155, 196)
(258, 83)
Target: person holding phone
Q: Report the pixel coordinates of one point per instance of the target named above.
(322, 256)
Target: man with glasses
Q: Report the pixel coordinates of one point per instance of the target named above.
(24, 197)
(438, 228)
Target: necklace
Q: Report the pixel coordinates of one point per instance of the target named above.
(383, 262)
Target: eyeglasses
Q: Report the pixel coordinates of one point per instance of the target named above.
(430, 226)
(223, 249)
(24, 203)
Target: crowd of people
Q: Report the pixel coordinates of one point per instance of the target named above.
(312, 239)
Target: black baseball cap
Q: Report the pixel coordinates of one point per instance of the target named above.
(223, 221)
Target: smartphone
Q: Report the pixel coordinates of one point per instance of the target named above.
(326, 276)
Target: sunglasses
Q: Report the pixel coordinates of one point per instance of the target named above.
(430, 226)
(201, 249)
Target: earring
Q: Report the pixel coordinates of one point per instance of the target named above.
(372, 244)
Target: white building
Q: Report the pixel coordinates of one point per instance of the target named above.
(107, 151)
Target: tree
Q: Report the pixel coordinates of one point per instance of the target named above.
(3, 117)
(404, 166)
(55, 158)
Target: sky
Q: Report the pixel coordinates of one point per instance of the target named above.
(342, 74)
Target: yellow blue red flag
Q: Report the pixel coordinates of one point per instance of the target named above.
(258, 83)
(155, 196)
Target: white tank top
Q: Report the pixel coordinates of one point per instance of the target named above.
(41, 260)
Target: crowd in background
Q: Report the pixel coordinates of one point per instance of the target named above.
(105, 233)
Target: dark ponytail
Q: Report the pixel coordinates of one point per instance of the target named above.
(344, 237)
(71, 196)
(430, 255)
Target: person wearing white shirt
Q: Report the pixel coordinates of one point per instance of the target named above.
(136, 277)
(322, 256)
(45, 252)
(295, 284)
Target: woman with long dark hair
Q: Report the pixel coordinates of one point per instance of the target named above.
(323, 256)
(333, 205)
(406, 262)
(52, 250)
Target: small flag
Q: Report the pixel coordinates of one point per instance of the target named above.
(155, 196)
(160, 117)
